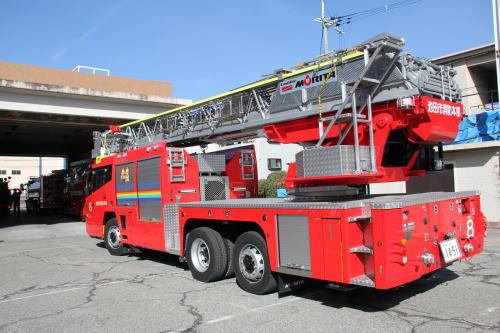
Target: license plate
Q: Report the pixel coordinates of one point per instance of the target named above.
(450, 250)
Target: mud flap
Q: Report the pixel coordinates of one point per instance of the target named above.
(289, 283)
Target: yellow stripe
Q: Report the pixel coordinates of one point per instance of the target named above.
(250, 86)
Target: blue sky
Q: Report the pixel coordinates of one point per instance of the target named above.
(207, 47)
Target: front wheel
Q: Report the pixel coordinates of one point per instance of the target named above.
(251, 264)
(113, 239)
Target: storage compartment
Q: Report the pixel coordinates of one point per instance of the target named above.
(293, 242)
(331, 161)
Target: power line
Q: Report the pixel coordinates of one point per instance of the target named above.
(347, 19)
(339, 23)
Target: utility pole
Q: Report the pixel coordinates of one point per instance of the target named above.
(496, 28)
(326, 23)
(325, 27)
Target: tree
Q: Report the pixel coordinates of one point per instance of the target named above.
(269, 186)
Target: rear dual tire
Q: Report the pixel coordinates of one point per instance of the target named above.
(206, 255)
(211, 257)
(251, 264)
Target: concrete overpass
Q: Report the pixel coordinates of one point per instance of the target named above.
(52, 112)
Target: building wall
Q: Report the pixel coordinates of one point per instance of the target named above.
(265, 151)
(28, 166)
(476, 76)
(474, 83)
(479, 170)
(59, 77)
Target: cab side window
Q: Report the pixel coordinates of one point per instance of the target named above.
(98, 178)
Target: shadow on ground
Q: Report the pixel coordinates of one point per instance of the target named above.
(44, 217)
(363, 299)
(156, 256)
(372, 300)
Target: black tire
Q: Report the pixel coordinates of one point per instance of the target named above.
(206, 254)
(254, 242)
(114, 246)
(229, 248)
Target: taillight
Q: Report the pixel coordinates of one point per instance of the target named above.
(469, 248)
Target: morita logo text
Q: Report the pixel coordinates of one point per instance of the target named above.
(306, 81)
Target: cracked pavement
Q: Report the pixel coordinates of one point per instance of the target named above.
(56, 279)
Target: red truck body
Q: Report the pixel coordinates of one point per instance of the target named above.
(120, 194)
(155, 194)
(371, 114)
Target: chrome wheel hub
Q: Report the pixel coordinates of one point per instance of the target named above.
(251, 262)
(114, 238)
(200, 255)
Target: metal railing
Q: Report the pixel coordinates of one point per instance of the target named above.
(93, 70)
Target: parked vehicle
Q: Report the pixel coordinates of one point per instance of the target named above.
(46, 192)
(76, 178)
(370, 114)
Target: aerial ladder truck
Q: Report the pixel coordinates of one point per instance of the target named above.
(370, 114)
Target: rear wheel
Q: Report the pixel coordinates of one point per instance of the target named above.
(113, 239)
(206, 254)
(251, 264)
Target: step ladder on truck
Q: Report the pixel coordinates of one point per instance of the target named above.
(370, 114)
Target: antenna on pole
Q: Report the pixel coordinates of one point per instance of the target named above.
(326, 23)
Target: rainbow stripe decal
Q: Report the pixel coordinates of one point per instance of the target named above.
(126, 195)
(149, 195)
(141, 195)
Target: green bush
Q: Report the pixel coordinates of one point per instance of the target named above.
(262, 188)
(269, 186)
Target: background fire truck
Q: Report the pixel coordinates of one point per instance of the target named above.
(370, 114)
(75, 183)
(46, 192)
(62, 190)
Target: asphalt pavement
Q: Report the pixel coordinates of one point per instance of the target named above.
(56, 279)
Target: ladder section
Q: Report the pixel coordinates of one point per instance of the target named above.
(379, 60)
(247, 165)
(177, 164)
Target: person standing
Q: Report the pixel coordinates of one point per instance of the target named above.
(16, 202)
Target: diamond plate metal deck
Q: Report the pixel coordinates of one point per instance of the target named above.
(211, 162)
(374, 202)
(331, 161)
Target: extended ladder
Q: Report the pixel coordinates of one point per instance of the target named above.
(289, 95)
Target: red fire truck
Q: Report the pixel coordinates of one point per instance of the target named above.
(45, 192)
(61, 190)
(371, 114)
